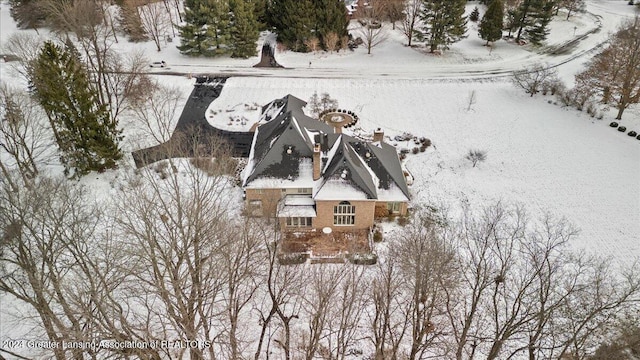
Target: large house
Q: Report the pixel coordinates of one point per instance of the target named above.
(310, 177)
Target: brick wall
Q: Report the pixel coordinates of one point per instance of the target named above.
(269, 198)
(363, 218)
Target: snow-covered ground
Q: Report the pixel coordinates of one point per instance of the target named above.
(545, 156)
(542, 155)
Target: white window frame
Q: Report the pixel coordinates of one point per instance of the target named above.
(344, 214)
(393, 207)
(298, 222)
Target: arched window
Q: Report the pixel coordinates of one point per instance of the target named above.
(344, 214)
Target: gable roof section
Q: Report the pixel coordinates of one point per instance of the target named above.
(347, 164)
(290, 128)
(384, 162)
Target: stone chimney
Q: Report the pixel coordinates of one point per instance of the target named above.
(378, 135)
(317, 162)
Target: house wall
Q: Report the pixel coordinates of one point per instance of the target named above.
(268, 197)
(381, 208)
(364, 211)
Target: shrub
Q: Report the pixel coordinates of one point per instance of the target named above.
(403, 220)
(476, 156)
(614, 124)
(415, 150)
(293, 259)
(622, 128)
(423, 148)
(632, 133)
(363, 258)
(377, 236)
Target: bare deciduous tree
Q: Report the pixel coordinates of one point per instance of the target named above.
(428, 267)
(317, 305)
(23, 134)
(371, 27)
(387, 323)
(155, 19)
(281, 303)
(345, 317)
(176, 231)
(535, 79)
(614, 74)
(412, 10)
(55, 260)
(26, 47)
(119, 80)
(156, 114)
(476, 156)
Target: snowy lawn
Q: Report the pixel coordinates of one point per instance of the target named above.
(542, 155)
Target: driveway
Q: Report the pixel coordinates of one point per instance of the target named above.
(193, 124)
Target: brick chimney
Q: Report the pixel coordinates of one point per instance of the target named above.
(378, 135)
(317, 162)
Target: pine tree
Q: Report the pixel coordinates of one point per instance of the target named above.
(207, 30)
(297, 21)
(531, 18)
(444, 21)
(331, 17)
(538, 29)
(491, 23)
(244, 29)
(86, 135)
(294, 21)
(475, 14)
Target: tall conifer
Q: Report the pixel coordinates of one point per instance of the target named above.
(492, 21)
(86, 135)
(244, 29)
(444, 21)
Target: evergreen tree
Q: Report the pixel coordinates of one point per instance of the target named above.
(491, 23)
(207, 28)
(475, 14)
(531, 18)
(538, 29)
(86, 135)
(294, 22)
(331, 17)
(444, 21)
(244, 29)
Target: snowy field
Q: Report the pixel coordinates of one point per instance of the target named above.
(542, 155)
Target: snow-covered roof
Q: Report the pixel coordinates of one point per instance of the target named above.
(351, 169)
(297, 211)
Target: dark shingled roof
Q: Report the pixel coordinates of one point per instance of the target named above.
(273, 139)
(352, 161)
(346, 162)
